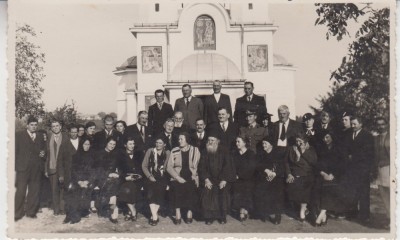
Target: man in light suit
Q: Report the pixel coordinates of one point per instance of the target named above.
(249, 101)
(215, 101)
(29, 157)
(191, 107)
(159, 112)
(140, 133)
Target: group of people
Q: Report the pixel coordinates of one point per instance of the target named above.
(198, 160)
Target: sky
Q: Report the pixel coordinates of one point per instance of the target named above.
(79, 63)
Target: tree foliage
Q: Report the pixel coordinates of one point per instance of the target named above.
(67, 114)
(28, 73)
(362, 79)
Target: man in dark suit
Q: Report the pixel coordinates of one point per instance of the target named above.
(199, 136)
(29, 157)
(191, 107)
(56, 156)
(308, 121)
(100, 138)
(249, 101)
(168, 136)
(159, 112)
(215, 101)
(140, 133)
(285, 130)
(359, 166)
(228, 131)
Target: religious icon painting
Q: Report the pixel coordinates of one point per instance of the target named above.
(152, 59)
(257, 58)
(204, 33)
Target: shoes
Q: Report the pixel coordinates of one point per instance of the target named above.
(56, 213)
(32, 216)
(66, 220)
(209, 221)
(163, 214)
(243, 217)
(76, 221)
(17, 218)
(62, 212)
(93, 210)
(115, 221)
(276, 220)
(188, 220)
(153, 222)
(177, 221)
(222, 221)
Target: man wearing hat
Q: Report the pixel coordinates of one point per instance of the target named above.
(30, 151)
(216, 174)
(308, 126)
(254, 132)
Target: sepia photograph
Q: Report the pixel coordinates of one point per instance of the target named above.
(203, 119)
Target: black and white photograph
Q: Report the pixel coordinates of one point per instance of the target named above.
(201, 119)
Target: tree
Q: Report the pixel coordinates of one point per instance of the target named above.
(67, 114)
(28, 73)
(362, 79)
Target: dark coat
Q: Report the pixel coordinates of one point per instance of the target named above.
(101, 137)
(157, 117)
(257, 104)
(62, 157)
(361, 150)
(190, 113)
(67, 165)
(216, 168)
(228, 137)
(174, 140)
(81, 167)
(27, 151)
(211, 107)
(140, 144)
(291, 131)
(199, 143)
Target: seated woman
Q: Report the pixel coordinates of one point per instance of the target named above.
(182, 166)
(131, 178)
(245, 166)
(106, 181)
(301, 161)
(331, 169)
(269, 193)
(77, 197)
(154, 167)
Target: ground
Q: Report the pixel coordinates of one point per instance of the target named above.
(48, 223)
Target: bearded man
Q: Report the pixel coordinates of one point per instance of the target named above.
(216, 175)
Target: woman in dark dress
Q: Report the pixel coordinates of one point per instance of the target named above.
(131, 178)
(154, 167)
(331, 170)
(78, 195)
(121, 126)
(106, 181)
(300, 167)
(269, 193)
(182, 166)
(245, 166)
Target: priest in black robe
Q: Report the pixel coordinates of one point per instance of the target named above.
(216, 176)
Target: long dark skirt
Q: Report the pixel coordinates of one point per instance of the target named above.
(77, 203)
(300, 190)
(215, 203)
(269, 197)
(185, 195)
(156, 191)
(334, 197)
(243, 194)
(130, 192)
(110, 188)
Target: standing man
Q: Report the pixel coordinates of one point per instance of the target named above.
(284, 130)
(254, 132)
(228, 131)
(56, 153)
(140, 133)
(215, 101)
(29, 156)
(382, 163)
(249, 101)
(159, 112)
(199, 137)
(346, 127)
(360, 162)
(108, 131)
(216, 174)
(191, 107)
(168, 135)
(308, 121)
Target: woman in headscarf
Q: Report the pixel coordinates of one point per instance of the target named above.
(245, 166)
(154, 167)
(300, 167)
(182, 166)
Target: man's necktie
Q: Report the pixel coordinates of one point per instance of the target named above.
(142, 132)
(354, 135)
(223, 127)
(169, 140)
(33, 136)
(283, 132)
(249, 99)
(55, 146)
(187, 102)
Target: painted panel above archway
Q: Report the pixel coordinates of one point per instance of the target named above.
(204, 33)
